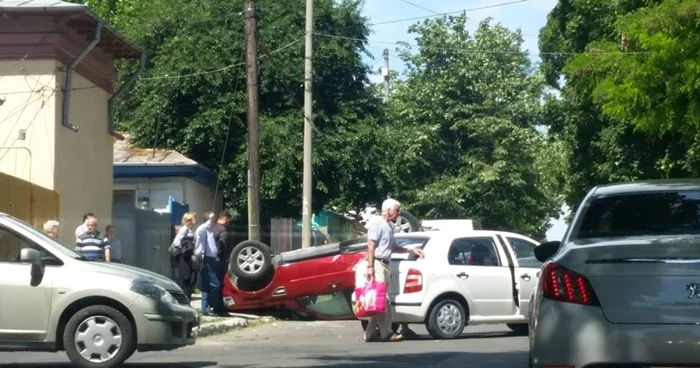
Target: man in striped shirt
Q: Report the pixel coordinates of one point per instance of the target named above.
(91, 244)
(80, 230)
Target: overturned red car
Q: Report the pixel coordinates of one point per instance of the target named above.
(317, 282)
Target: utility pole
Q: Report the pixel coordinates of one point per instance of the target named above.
(308, 121)
(253, 137)
(385, 74)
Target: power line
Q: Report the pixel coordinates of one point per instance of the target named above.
(526, 35)
(224, 68)
(481, 51)
(171, 76)
(454, 12)
(419, 6)
(49, 33)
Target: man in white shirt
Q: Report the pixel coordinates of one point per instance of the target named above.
(381, 245)
(206, 249)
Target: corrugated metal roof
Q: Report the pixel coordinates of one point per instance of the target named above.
(124, 154)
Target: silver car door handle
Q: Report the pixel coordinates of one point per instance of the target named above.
(463, 275)
(525, 277)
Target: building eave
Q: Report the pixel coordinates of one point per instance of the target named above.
(114, 43)
(197, 172)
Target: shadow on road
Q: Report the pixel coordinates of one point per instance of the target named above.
(509, 359)
(125, 365)
(470, 335)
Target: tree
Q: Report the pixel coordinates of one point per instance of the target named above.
(464, 143)
(601, 148)
(649, 79)
(193, 89)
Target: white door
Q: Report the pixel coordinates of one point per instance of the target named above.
(527, 269)
(475, 265)
(24, 309)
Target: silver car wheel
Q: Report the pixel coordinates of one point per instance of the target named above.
(250, 260)
(402, 225)
(449, 318)
(98, 339)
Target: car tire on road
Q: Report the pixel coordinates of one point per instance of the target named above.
(103, 334)
(446, 319)
(250, 260)
(394, 326)
(519, 328)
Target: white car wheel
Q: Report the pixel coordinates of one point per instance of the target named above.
(447, 319)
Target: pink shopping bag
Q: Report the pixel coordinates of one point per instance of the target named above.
(370, 298)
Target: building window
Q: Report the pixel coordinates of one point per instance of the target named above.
(124, 197)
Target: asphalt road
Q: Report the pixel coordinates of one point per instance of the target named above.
(320, 344)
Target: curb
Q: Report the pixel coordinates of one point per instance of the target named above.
(219, 327)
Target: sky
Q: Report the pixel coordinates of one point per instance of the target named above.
(530, 16)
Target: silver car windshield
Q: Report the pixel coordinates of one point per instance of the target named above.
(642, 214)
(56, 246)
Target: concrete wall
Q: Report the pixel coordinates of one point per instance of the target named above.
(185, 190)
(83, 159)
(145, 237)
(77, 165)
(30, 102)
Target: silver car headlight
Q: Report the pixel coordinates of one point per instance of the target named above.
(152, 290)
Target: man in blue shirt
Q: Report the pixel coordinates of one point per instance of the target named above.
(207, 250)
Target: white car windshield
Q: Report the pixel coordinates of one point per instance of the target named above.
(55, 245)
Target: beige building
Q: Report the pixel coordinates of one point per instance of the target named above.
(57, 87)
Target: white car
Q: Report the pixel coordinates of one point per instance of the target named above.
(623, 286)
(467, 277)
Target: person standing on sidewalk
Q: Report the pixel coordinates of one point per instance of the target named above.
(224, 240)
(381, 245)
(207, 251)
(51, 228)
(115, 245)
(83, 228)
(91, 244)
(181, 250)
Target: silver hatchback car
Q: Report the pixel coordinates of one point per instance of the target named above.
(53, 299)
(623, 287)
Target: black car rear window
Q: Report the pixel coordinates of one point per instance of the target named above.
(658, 213)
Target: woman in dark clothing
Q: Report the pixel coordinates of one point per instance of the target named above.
(181, 254)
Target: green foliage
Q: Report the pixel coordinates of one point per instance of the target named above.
(657, 92)
(464, 143)
(603, 144)
(457, 141)
(192, 114)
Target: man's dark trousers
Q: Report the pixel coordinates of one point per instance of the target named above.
(223, 270)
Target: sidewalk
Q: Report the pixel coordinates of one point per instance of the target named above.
(217, 325)
(196, 301)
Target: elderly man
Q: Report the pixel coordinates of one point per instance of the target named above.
(206, 249)
(91, 244)
(381, 245)
(51, 228)
(82, 228)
